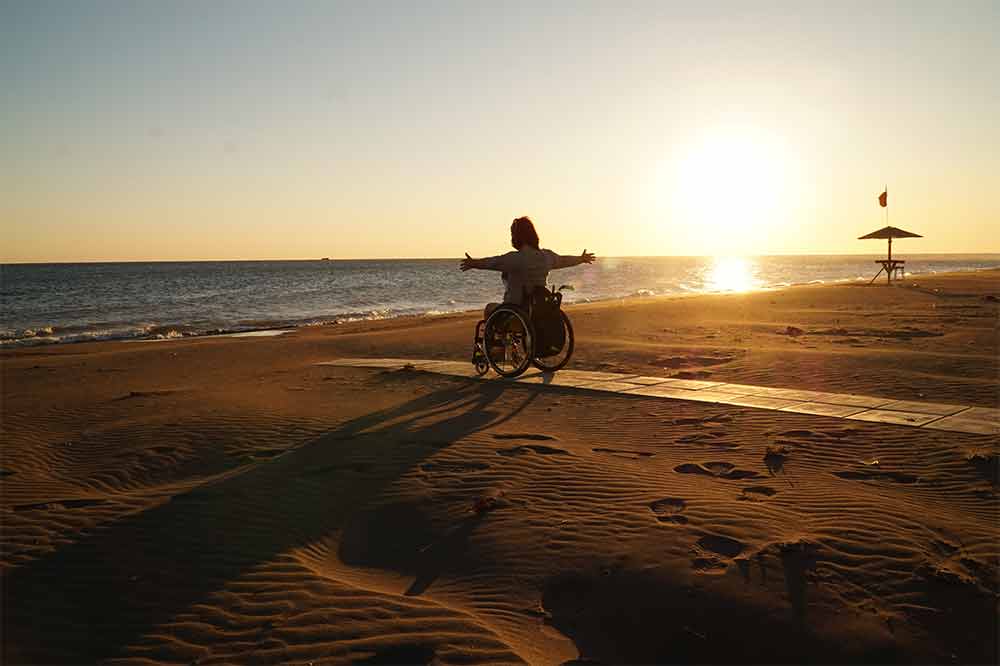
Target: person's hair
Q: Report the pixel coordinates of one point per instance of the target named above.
(522, 232)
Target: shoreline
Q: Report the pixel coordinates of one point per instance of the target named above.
(38, 341)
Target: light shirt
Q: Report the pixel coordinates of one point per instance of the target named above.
(526, 268)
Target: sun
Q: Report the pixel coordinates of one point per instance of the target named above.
(726, 189)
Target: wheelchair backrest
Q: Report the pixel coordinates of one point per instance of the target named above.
(546, 318)
(542, 300)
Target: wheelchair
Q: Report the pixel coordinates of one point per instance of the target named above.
(515, 337)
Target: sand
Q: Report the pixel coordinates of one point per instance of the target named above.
(229, 500)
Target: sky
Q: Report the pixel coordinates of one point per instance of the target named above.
(181, 130)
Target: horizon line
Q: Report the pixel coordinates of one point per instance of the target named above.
(18, 262)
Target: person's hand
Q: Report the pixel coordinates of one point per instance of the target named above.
(587, 257)
(467, 263)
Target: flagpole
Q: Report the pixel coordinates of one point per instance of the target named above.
(886, 190)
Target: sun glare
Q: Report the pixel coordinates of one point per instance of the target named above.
(727, 189)
(731, 274)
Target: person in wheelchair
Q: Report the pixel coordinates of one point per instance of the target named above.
(525, 268)
(528, 327)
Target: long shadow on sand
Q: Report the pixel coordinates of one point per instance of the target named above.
(89, 599)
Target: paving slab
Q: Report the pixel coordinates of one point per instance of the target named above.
(708, 395)
(662, 391)
(342, 362)
(963, 423)
(851, 400)
(984, 413)
(559, 379)
(367, 362)
(761, 401)
(648, 381)
(890, 416)
(742, 389)
(794, 394)
(771, 392)
(608, 386)
(594, 376)
(536, 377)
(438, 363)
(693, 384)
(450, 368)
(939, 408)
(823, 409)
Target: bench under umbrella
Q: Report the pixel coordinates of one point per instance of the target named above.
(889, 265)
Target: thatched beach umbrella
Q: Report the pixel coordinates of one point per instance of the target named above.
(890, 233)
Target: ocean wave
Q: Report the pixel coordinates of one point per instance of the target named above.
(207, 299)
(99, 332)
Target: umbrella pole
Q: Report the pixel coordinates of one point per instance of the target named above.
(888, 272)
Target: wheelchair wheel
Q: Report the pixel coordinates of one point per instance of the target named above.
(557, 361)
(508, 342)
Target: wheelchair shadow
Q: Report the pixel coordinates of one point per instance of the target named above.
(546, 379)
(89, 599)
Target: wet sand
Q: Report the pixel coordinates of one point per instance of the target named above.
(228, 500)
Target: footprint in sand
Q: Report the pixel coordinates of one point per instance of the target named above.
(707, 420)
(841, 433)
(987, 465)
(714, 553)
(406, 653)
(709, 439)
(692, 361)
(360, 468)
(721, 545)
(775, 458)
(148, 394)
(532, 448)
(757, 492)
(625, 453)
(60, 504)
(687, 374)
(721, 470)
(266, 454)
(701, 437)
(877, 475)
(669, 509)
(944, 548)
(453, 466)
(797, 433)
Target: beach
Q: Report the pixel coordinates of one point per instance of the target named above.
(228, 499)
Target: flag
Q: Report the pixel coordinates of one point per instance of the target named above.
(883, 199)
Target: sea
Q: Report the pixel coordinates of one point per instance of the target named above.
(66, 303)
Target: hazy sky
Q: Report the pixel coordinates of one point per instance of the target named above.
(243, 130)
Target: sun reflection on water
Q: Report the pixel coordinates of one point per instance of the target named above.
(732, 274)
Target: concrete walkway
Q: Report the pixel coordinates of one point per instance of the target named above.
(931, 415)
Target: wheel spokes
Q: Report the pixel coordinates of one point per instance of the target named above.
(507, 343)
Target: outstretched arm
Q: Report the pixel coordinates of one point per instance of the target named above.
(503, 262)
(567, 262)
(469, 263)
